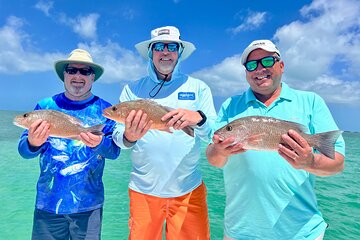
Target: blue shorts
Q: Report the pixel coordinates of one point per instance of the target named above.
(78, 226)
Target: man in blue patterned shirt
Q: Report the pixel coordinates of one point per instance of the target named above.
(70, 191)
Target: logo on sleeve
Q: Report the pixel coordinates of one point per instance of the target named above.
(186, 96)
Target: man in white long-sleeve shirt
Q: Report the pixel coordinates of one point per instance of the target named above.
(165, 181)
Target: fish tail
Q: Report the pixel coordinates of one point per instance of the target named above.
(326, 141)
(189, 131)
(97, 129)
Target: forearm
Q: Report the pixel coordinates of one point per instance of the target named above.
(324, 166)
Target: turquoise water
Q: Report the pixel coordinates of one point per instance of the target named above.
(338, 196)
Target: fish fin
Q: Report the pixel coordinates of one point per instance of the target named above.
(97, 129)
(189, 130)
(326, 141)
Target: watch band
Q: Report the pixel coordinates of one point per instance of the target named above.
(203, 120)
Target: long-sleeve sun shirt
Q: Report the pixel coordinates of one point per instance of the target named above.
(165, 164)
(70, 178)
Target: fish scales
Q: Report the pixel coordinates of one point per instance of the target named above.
(61, 124)
(264, 133)
(154, 111)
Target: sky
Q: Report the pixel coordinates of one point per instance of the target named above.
(319, 42)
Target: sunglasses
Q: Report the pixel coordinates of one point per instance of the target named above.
(171, 47)
(266, 62)
(83, 71)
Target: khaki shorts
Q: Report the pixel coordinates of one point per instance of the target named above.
(186, 216)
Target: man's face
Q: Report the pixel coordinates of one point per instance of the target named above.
(78, 83)
(164, 57)
(263, 80)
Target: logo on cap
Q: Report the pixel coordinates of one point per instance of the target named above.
(164, 31)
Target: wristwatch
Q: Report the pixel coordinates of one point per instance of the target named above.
(203, 120)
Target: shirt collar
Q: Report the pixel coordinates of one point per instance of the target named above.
(284, 94)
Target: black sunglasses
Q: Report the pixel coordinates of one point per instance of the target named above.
(266, 62)
(83, 71)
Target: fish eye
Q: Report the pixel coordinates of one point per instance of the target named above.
(228, 128)
(114, 108)
(25, 115)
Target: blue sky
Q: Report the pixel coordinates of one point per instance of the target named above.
(319, 41)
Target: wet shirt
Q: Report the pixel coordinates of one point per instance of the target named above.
(70, 178)
(266, 198)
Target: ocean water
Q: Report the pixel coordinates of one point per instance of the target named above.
(338, 196)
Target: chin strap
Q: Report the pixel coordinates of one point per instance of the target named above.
(161, 84)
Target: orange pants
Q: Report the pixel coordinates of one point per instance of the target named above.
(186, 216)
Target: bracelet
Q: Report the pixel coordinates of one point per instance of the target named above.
(203, 120)
(127, 142)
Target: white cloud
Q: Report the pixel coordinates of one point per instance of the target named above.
(129, 14)
(44, 6)
(16, 51)
(85, 26)
(17, 55)
(252, 21)
(321, 54)
(323, 49)
(119, 63)
(226, 78)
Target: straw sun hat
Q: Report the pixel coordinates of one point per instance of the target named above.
(78, 56)
(165, 34)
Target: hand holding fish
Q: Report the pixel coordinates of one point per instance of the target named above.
(90, 139)
(296, 150)
(218, 152)
(38, 133)
(136, 125)
(180, 118)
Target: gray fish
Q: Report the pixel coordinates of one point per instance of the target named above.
(154, 112)
(264, 133)
(62, 125)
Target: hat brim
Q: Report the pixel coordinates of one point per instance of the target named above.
(143, 47)
(60, 65)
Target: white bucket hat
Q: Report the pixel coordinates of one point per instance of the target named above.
(267, 45)
(78, 56)
(165, 34)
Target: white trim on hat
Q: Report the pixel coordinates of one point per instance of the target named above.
(165, 34)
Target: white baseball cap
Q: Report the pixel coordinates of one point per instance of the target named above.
(267, 45)
(165, 34)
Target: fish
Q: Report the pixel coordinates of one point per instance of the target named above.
(62, 125)
(154, 111)
(74, 169)
(264, 134)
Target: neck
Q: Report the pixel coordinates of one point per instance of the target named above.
(78, 98)
(268, 99)
(162, 76)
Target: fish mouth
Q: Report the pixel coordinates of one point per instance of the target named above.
(106, 114)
